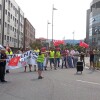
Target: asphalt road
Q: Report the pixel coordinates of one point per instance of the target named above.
(60, 84)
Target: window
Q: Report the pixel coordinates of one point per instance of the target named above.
(0, 6)
(11, 16)
(10, 38)
(8, 26)
(13, 28)
(11, 4)
(5, 37)
(17, 21)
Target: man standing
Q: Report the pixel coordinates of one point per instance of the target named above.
(3, 58)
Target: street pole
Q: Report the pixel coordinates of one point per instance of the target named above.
(3, 21)
(47, 29)
(52, 20)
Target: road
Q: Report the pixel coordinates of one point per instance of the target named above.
(60, 84)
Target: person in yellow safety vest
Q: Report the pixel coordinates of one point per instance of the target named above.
(37, 51)
(8, 52)
(57, 57)
(51, 55)
(40, 61)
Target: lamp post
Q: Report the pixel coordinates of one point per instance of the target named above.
(52, 20)
(47, 29)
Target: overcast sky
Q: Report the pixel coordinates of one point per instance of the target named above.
(70, 17)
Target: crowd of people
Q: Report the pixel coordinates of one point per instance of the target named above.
(54, 57)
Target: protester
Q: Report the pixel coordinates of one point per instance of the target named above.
(3, 58)
(28, 63)
(82, 57)
(64, 54)
(76, 55)
(37, 51)
(47, 58)
(40, 61)
(52, 60)
(91, 59)
(57, 57)
(69, 59)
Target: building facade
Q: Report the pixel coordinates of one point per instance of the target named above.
(29, 33)
(12, 24)
(93, 24)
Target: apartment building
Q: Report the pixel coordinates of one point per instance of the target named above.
(29, 33)
(11, 24)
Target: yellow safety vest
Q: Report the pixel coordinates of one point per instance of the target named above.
(52, 53)
(58, 55)
(37, 50)
(40, 58)
(9, 53)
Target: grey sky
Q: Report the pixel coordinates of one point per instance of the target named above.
(70, 16)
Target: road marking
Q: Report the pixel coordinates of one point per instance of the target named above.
(88, 82)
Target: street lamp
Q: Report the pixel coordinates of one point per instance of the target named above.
(52, 20)
(47, 29)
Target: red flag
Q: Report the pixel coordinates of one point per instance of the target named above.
(14, 61)
(83, 44)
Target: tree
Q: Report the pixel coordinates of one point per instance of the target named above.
(35, 44)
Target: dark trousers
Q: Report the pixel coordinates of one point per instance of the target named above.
(82, 59)
(2, 72)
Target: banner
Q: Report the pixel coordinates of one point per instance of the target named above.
(58, 42)
(20, 60)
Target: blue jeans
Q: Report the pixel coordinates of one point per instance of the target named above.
(69, 59)
(40, 65)
(57, 61)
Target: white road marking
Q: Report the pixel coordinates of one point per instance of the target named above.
(88, 82)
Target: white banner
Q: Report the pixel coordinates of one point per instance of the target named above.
(26, 58)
